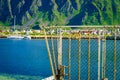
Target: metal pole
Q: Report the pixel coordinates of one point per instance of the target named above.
(89, 56)
(104, 54)
(115, 55)
(49, 54)
(69, 54)
(99, 56)
(14, 22)
(79, 55)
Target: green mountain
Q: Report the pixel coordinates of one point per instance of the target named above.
(60, 12)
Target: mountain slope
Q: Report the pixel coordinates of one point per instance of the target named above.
(60, 12)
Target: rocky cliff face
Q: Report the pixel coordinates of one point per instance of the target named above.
(60, 12)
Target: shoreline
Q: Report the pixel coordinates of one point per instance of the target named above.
(65, 37)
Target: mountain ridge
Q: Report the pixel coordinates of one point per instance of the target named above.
(60, 12)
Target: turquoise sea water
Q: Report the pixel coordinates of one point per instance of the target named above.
(24, 57)
(28, 59)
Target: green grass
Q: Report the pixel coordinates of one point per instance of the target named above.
(18, 77)
(6, 78)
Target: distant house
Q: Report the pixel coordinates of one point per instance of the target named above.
(1, 31)
(7, 30)
(16, 31)
(51, 32)
(94, 32)
(85, 32)
(36, 31)
(30, 31)
(23, 31)
(74, 31)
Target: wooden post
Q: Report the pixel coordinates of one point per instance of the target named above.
(89, 56)
(60, 53)
(69, 54)
(99, 56)
(79, 55)
(60, 49)
(115, 55)
(104, 54)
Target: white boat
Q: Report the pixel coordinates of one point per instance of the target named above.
(15, 37)
(27, 37)
(15, 33)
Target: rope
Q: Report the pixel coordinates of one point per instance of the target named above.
(115, 56)
(49, 54)
(53, 54)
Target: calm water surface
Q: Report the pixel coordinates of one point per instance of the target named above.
(26, 57)
(29, 57)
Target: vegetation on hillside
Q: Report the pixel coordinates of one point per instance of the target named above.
(60, 12)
